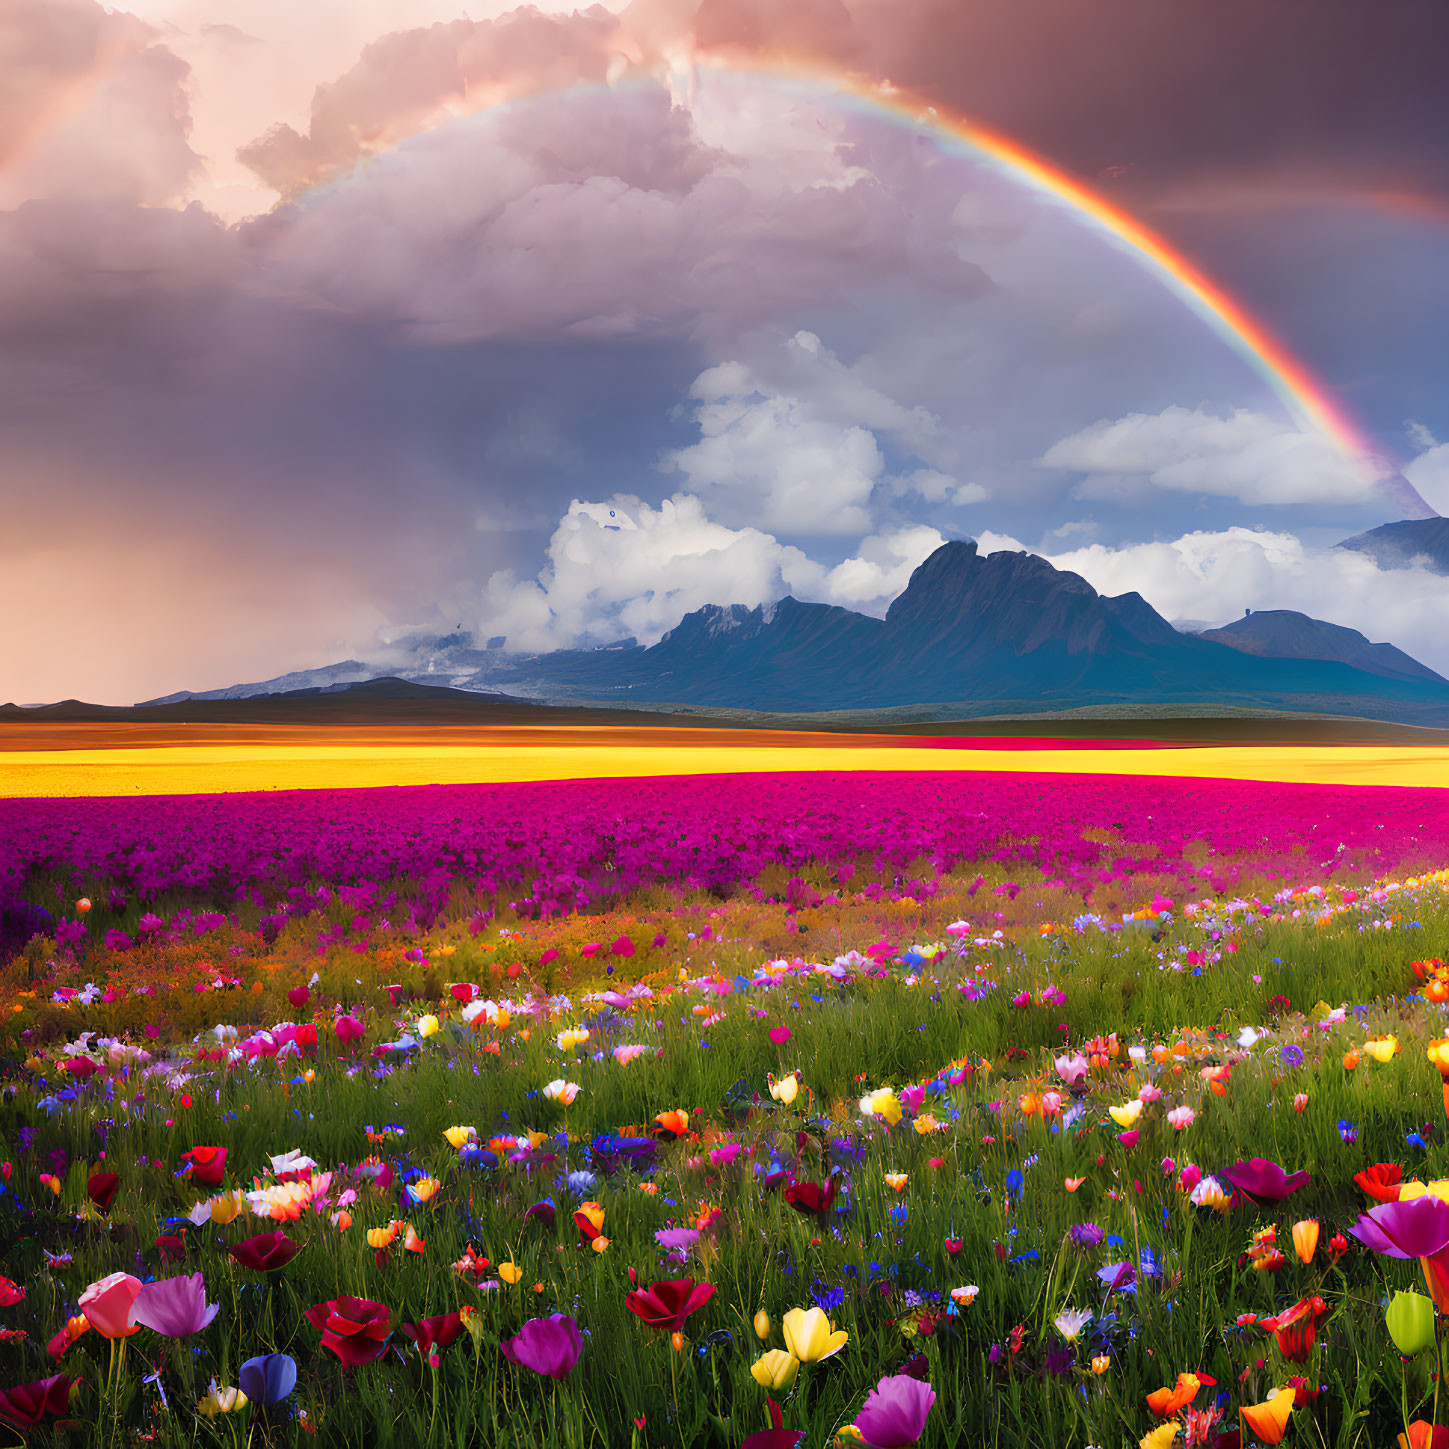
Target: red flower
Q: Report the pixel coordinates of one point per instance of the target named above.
(432, 1334)
(355, 1329)
(299, 996)
(666, 1305)
(812, 1197)
(1297, 1328)
(101, 1189)
(267, 1252)
(172, 1247)
(774, 1437)
(10, 1293)
(1382, 1181)
(208, 1164)
(26, 1404)
(1304, 1393)
(1424, 1435)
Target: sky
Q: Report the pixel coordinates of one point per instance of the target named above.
(323, 327)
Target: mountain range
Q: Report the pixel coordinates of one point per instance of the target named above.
(993, 633)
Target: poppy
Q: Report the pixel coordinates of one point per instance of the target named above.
(1296, 1328)
(27, 1404)
(1382, 1181)
(265, 1253)
(208, 1164)
(357, 1330)
(812, 1197)
(666, 1305)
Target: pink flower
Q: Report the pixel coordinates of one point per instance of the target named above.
(1149, 1094)
(109, 1305)
(1181, 1117)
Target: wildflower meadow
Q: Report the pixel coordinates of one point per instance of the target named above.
(748, 1112)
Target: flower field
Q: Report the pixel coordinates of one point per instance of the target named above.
(882, 1109)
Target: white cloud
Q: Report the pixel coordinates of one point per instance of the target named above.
(1214, 576)
(766, 456)
(1429, 473)
(1246, 456)
(639, 574)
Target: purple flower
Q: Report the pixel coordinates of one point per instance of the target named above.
(1416, 1227)
(1265, 1181)
(1292, 1056)
(677, 1240)
(269, 1379)
(546, 1345)
(176, 1307)
(1084, 1235)
(895, 1412)
(1119, 1276)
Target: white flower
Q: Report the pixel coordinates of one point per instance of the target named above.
(1071, 1322)
(559, 1090)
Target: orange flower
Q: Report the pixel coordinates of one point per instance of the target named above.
(1269, 1420)
(1305, 1239)
(1073, 1183)
(1166, 1403)
(1350, 1061)
(671, 1124)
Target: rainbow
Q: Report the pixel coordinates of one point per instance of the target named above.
(1306, 398)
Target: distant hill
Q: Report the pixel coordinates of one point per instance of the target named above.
(1417, 541)
(975, 635)
(1286, 634)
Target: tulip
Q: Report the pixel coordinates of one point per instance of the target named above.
(896, 1181)
(176, 1307)
(1296, 1328)
(1125, 1115)
(101, 1189)
(1268, 1420)
(1101, 1364)
(109, 1305)
(1161, 1437)
(894, 1413)
(510, 1273)
(811, 1336)
(549, 1346)
(265, 1253)
(357, 1330)
(559, 1090)
(1383, 1181)
(348, 1029)
(762, 1325)
(666, 1305)
(268, 1379)
(1410, 1319)
(786, 1089)
(27, 1404)
(775, 1370)
(1305, 1240)
(589, 1220)
(460, 1137)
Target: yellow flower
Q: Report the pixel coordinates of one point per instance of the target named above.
(572, 1037)
(225, 1206)
(762, 1325)
(1438, 1188)
(221, 1401)
(1439, 1055)
(775, 1370)
(1382, 1048)
(1161, 1436)
(594, 1213)
(510, 1272)
(925, 1124)
(896, 1180)
(881, 1103)
(380, 1238)
(811, 1336)
(1101, 1363)
(460, 1136)
(1305, 1239)
(428, 1026)
(786, 1089)
(424, 1189)
(1125, 1115)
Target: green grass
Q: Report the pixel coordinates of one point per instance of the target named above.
(846, 1039)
